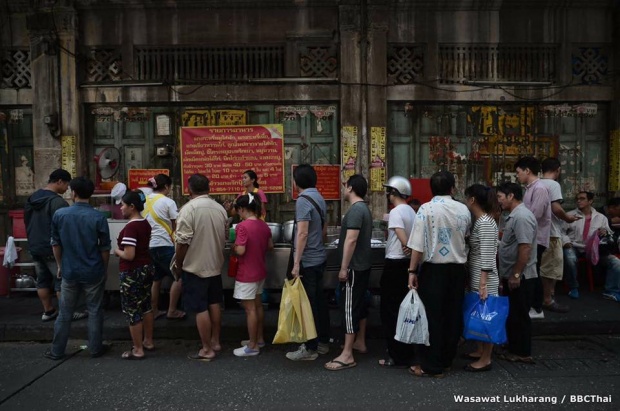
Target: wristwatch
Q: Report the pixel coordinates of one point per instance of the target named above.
(517, 275)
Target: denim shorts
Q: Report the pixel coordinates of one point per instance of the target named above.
(46, 269)
(199, 293)
(161, 257)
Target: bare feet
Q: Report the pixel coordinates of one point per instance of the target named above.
(158, 314)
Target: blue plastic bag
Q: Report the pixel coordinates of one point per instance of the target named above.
(485, 320)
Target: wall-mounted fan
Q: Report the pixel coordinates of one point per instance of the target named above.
(107, 162)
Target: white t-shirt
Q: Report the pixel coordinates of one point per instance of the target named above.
(167, 211)
(401, 216)
(555, 194)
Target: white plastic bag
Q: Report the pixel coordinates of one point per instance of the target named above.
(412, 326)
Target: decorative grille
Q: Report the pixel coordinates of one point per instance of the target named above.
(208, 63)
(590, 65)
(405, 63)
(318, 61)
(104, 64)
(16, 68)
(459, 63)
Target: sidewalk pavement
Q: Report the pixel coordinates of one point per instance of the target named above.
(20, 320)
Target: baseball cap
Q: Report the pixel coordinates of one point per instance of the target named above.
(118, 191)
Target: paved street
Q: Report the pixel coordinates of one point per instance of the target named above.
(585, 365)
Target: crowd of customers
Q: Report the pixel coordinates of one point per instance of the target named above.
(514, 240)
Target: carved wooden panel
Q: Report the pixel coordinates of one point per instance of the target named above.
(405, 63)
(590, 65)
(15, 65)
(318, 61)
(104, 64)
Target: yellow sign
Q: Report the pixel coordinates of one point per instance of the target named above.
(349, 151)
(69, 154)
(201, 118)
(377, 158)
(614, 160)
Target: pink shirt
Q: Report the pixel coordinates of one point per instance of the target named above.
(586, 228)
(536, 199)
(254, 235)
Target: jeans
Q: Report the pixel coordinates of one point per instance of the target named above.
(612, 276)
(312, 280)
(570, 266)
(70, 293)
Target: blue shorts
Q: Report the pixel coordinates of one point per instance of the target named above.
(46, 269)
(161, 257)
(199, 293)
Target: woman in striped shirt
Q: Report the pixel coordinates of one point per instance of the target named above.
(482, 260)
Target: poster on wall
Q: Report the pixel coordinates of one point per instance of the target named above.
(349, 151)
(377, 158)
(614, 160)
(68, 158)
(24, 176)
(327, 181)
(201, 118)
(223, 153)
(139, 177)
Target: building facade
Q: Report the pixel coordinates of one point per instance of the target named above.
(379, 87)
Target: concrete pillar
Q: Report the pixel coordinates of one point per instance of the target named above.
(614, 114)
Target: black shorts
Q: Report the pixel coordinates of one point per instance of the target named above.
(353, 301)
(199, 293)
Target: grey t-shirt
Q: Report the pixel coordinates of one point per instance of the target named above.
(555, 194)
(520, 228)
(358, 218)
(314, 252)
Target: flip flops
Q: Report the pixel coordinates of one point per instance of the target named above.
(341, 365)
(179, 318)
(515, 358)
(129, 355)
(198, 357)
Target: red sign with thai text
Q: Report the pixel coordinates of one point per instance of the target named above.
(327, 181)
(139, 177)
(223, 153)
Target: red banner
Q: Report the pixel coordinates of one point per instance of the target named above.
(139, 177)
(223, 153)
(327, 181)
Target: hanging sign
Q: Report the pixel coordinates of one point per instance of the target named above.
(139, 177)
(377, 158)
(69, 154)
(327, 181)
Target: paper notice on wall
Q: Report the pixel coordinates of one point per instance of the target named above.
(377, 158)
(614, 160)
(163, 125)
(69, 154)
(349, 151)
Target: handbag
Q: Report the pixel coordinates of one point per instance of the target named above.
(485, 320)
(233, 265)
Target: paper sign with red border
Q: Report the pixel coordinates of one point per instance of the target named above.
(139, 177)
(327, 181)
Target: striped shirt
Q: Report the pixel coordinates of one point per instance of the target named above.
(483, 253)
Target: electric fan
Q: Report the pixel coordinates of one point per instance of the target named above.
(107, 163)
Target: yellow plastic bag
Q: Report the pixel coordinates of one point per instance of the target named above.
(295, 321)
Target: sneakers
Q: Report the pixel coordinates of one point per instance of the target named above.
(245, 351)
(535, 315)
(49, 315)
(555, 307)
(610, 295)
(48, 354)
(246, 342)
(574, 293)
(79, 316)
(302, 354)
(322, 348)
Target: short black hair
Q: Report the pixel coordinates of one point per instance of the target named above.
(528, 162)
(614, 202)
(304, 176)
(60, 174)
(511, 188)
(135, 198)
(589, 194)
(358, 184)
(442, 183)
(415, 201)
(485, 196)
(82, 187)
(550, 164)
(198, 184)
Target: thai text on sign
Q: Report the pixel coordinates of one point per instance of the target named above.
(327, 181)
(139, 177)
(223, 153)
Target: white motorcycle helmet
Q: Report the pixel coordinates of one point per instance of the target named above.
(400, 184)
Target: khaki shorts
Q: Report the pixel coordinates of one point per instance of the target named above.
(248, 291)
(552, 265)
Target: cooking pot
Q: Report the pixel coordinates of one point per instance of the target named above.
(24, 281)
(287, 231)
(276, 232)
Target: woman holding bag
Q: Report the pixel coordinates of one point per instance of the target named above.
(483, 275)
(253, 239)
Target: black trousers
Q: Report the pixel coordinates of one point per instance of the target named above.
(518, 323)
(537, 296)
(442, 290)
(394, 288)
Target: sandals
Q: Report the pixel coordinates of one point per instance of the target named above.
(417, 372)
(198, 357)
(129, 355)
(341, 365)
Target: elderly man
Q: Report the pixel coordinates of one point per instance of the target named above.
(200, 241)
(517, 268)
(574, 240)
(438, 242)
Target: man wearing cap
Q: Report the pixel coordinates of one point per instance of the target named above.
(39, 210)
(395, 277)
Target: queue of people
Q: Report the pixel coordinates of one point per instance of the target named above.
(442, 250)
